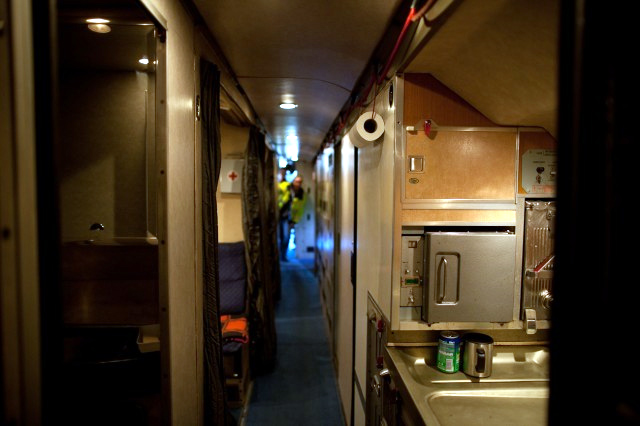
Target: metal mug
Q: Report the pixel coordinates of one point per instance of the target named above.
(477, 355)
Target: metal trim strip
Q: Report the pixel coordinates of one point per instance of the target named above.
(412, 129)
(461, 224)
(440, 204)
(398, 196)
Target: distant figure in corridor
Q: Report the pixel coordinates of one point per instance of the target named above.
(291, 200)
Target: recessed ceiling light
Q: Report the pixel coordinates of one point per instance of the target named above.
(97, 21)
(288, 105)
(143, 61)
(99, 28)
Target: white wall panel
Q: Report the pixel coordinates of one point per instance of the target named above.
(306, 228)
(344, 288)
(375, 229)
(180, 175)
(358, 413)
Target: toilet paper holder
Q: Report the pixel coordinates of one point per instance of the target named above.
(368, 128)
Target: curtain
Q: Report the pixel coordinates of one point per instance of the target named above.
(260, 232)
(272, 258)
(216, 412)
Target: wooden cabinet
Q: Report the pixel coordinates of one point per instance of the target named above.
(461, 165)
(110, 284)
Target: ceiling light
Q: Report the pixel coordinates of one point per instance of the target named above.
(288, 105)
(144, 61)
(99, 28)
(97, 21)
(291, 151)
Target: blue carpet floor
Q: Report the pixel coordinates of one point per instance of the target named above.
(302, 389)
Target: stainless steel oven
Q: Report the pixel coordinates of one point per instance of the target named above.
(469, 276)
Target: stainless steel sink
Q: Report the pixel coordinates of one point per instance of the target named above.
(516, 392)
(525, 405)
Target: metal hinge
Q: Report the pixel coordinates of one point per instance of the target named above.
(197, 107)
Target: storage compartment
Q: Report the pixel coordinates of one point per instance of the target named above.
(470, 276)
(475, 164)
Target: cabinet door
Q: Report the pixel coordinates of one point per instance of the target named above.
(466, 165)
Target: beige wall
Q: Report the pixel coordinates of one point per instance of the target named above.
(102, 141)
(234, 143)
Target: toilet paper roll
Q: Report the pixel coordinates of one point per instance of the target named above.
(368, 128)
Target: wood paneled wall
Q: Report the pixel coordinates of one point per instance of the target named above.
(426, 98)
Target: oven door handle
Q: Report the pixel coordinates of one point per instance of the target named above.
(442, 280)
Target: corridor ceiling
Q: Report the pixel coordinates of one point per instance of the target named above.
(308, 52)
(499, 55)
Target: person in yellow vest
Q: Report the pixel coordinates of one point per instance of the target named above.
(291, 201)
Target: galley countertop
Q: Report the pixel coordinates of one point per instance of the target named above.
(517, 391)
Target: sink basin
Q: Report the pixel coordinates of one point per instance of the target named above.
(517, 391)
(525, 406)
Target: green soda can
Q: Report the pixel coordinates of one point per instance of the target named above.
(448, 360)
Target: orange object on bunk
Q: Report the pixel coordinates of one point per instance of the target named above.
(235, 329)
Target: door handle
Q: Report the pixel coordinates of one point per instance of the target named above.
(442, 280)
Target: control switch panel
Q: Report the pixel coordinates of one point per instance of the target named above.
(412, 270)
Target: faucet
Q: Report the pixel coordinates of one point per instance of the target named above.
(96, 227)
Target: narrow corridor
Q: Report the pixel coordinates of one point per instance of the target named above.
(302, 389)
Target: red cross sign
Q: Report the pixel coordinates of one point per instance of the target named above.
(232, 175)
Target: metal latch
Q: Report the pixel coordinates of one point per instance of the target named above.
(416, 164)
(539, 271)
(530, 321)
(376, 381)
(376, 386)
